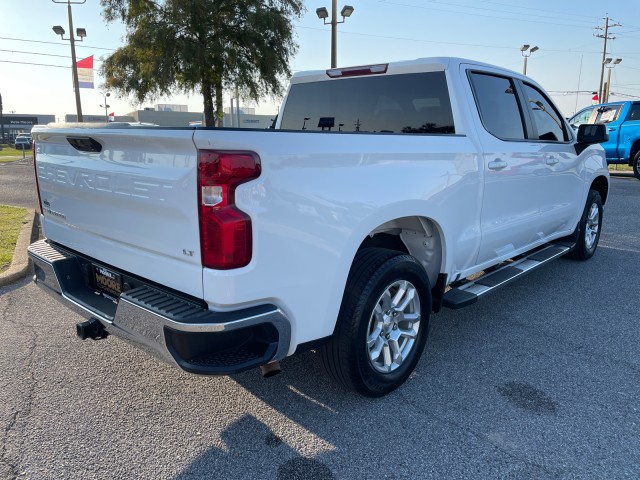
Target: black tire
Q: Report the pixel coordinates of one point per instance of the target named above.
(368, 320)
(636, 165)
(587, 233)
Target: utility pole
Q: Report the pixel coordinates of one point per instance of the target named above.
(606, 37)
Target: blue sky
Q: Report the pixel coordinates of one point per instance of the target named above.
(378, 31)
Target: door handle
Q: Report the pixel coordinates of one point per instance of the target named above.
(612, 129)
(551, 161)
(497, 164)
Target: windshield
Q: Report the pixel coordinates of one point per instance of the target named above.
(607, 114)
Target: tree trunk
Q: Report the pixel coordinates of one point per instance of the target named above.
(209, 119)
(219, 108)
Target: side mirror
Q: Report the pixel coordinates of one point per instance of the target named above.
(590, 134)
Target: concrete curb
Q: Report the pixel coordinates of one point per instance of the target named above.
(621, 174)
(20, 262)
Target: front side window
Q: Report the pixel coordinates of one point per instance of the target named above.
(404, 103)
(498, 106)
(581, 117)
(547, 121)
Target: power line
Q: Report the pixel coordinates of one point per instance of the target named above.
(439, 42)
(486, 16)
(38, 64)
(42, 54)
(54, 43)
(35, 53)
(570, 14)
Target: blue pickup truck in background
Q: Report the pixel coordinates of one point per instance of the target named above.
(623, 122)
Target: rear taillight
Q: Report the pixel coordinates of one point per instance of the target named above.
(225, 230)
(35, 170)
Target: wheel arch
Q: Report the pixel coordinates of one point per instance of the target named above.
(601, 185)
(419, 236)
(635, 148)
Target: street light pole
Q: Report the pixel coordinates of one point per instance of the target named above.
(323, 14)
(610, 65)
(74, 66)
(334, 33)
(523, 50)
(106, 114)
(76, 83)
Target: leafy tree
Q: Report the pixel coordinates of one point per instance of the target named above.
(201, 46)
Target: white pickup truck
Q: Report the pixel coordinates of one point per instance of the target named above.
(380, 191)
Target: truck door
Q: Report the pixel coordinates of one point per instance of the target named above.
(629, 132)
(563, 186)
(611, 116)
(514, 168)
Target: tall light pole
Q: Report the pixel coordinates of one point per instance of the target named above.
(523, 51)
(81, 32)
(610, 65)
(323, 14)
(106, 114)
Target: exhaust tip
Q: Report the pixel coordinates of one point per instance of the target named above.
(91, 329)
(270, 369)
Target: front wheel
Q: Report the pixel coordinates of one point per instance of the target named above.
(587, 233)
(636, 165)
(382, 325)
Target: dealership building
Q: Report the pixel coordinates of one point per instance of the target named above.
(162, 115)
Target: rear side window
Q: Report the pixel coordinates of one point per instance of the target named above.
(497, 103)
(547, 121)
(634, 113)
(406, 103)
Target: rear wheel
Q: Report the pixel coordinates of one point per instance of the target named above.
(382, 325)
(636, 165)
(587, 233)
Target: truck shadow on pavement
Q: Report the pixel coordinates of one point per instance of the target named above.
(491, 386)
(307, 412)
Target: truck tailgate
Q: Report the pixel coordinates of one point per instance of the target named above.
(131, 205)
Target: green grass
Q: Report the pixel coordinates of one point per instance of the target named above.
(620, 168)
(11, 219)
(9, 154)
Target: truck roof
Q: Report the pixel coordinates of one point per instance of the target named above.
(427, 64)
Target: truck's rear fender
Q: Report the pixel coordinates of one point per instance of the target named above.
(321, 195)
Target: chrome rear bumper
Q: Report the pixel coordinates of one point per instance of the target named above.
(178, 330)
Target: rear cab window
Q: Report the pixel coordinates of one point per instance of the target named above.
(410, 103)
(498, 105)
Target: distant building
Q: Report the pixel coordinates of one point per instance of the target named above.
(73, 118)
(14, 124)
(165, 118)
(166, 107)
(163, 115)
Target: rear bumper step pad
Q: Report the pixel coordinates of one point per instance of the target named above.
(174, 329)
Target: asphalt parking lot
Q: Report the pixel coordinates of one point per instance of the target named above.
(539, 380)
